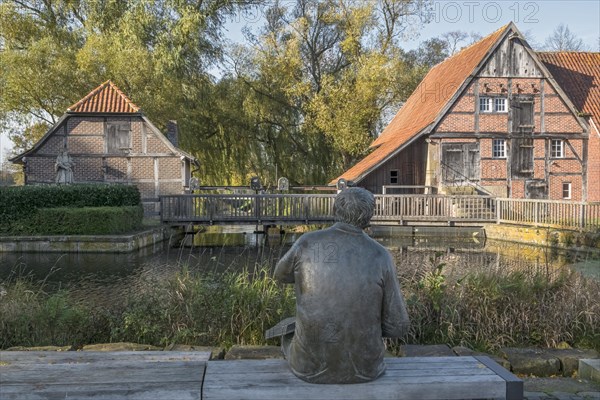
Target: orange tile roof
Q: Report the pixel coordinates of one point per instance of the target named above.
(106, 98)
(578, 75)
(425, 103)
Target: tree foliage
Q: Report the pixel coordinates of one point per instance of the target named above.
(53, 52)
(304, 98)
(311, 86)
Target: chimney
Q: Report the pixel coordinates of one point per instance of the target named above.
(173, 133)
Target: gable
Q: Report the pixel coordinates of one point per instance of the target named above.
(441, 84)
(511, 59)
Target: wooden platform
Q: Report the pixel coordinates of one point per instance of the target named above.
(189, 375)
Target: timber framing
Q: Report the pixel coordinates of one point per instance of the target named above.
(109, 140)
(538, 109)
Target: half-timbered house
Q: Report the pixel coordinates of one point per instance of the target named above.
(107, 138)
(496, 118)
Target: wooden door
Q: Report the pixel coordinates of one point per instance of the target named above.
(522, 115)
(452, 162)
(522, 132)
(460, 162)
(522, 158)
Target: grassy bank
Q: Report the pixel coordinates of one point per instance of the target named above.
(482, 310)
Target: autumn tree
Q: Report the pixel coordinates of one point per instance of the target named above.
(318, 75)
(52, 52)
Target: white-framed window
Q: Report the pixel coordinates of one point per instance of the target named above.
(485, 104)
(566, 190)
(394, 177)
(500, 104)
(557, 148)
(493, 104)
(499, 148)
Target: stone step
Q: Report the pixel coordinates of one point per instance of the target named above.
(590, 369)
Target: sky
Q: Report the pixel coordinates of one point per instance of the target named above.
(540, 18)
(537, 19)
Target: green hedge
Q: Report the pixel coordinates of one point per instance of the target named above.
(17, 202)
(80, 221)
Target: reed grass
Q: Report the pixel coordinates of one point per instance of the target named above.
(483, 309)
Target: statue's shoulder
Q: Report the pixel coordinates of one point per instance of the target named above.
(316, 235)
(378, 247)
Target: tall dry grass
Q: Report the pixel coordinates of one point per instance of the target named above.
(482, 308)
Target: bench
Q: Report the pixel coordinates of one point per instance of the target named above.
(409, 378)
(161, 375)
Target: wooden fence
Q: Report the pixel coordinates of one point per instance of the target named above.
(548, 213)
(396, 209)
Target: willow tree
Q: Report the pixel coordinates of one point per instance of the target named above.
(52, 52)
(317, 77)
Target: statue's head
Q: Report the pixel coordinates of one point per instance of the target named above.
(354, 206)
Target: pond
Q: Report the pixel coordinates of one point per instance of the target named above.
(109, 277)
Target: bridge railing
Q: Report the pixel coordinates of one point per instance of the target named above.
(434, 208)
(318, 208)
(548, 213)
(250, 208)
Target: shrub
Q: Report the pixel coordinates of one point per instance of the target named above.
(17, 202)
(80, 221)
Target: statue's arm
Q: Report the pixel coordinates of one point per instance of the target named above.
(284, 271)
(394, 319)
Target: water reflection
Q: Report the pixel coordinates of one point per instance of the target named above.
(110, 277)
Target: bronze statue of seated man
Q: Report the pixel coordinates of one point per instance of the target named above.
(347, 298)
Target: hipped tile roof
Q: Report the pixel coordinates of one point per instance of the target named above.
(578, 75)
(106, 98)
(425, 103)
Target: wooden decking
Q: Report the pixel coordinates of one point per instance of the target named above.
(189, 375)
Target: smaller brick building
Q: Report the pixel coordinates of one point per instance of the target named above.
(109, 140)
(497, 118)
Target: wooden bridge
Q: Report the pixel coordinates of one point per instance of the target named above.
(292, 209)
(287, 209)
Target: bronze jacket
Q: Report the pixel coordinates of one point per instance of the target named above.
(347, 299)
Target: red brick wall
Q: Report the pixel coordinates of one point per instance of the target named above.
(83, 138)
(558, 119)
(594, 162)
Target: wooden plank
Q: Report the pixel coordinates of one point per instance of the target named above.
(285, 385)
(140, 391)
(112, 372)
(102, 375)
(435, 378)
(514, 385)
(25, 357)
(247, 379)
(392, 364)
